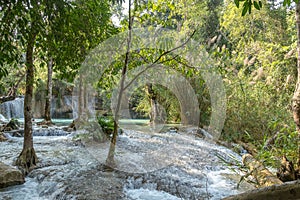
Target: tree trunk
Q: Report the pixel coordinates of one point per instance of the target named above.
(80, 99)
(156, 116)
(296, 97)
(110, 161)
(28, 159)
(289, 190)
(49, 92)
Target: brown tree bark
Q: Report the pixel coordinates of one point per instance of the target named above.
(49, 93)
(28, 159)
(296, 96)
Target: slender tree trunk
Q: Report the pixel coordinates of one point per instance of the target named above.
(28, 159)
(110, 161)
(80, 99)
(156, 114)
(296, 97)
(49, 92)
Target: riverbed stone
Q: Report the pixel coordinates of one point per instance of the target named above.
(10, 176)
(2, 137)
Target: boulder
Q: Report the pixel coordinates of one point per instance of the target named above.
(10, 176)
(13, 124)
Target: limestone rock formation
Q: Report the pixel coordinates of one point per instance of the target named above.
(10, 176)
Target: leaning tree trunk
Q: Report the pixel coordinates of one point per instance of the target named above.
(49, 93)
(296, 97)
(110, 161)
(28, 159)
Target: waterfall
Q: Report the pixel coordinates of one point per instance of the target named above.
(90, 111)
(65, 107)
(13, 109)
(61, 107)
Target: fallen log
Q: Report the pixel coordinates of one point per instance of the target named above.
(261, 174)
(288, 190)
(6, 98)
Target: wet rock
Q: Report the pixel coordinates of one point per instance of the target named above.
(2, 137)
(173, 129)
(10, 176)
(13, 124)
(16, 133)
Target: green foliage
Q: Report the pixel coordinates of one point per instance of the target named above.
(106, 123)
(284, 144)
(248, 4)
(260, 74)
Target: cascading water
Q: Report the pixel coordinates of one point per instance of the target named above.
(65, 107)
(13, 109)
(71, 170)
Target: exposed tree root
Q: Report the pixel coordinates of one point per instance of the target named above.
(27, 160)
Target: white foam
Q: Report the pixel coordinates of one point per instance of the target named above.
(145, 194)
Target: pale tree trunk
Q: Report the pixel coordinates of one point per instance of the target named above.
(49, 92)
(110, 161)
(296, 97)
(28, 159)
(80, 99)
(156, 114)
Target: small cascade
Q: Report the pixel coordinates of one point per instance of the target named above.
(50, 132)
(65, 107)
(2, 118)
(75, 106)
(90, 111)
(13, 109)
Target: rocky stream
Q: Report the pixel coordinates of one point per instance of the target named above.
(168, 165)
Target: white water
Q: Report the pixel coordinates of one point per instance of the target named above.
(194, 170)
(59, 109)
(146, 194)
(13, 109)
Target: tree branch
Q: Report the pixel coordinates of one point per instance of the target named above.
(156, 61)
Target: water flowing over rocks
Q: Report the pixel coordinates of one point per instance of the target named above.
(64, 107)
(70, 171)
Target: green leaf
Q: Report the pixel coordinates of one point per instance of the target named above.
(287, 2)
(237, 3)
(245, 9)
(256, 5)
(260, 4)
(249, 8)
